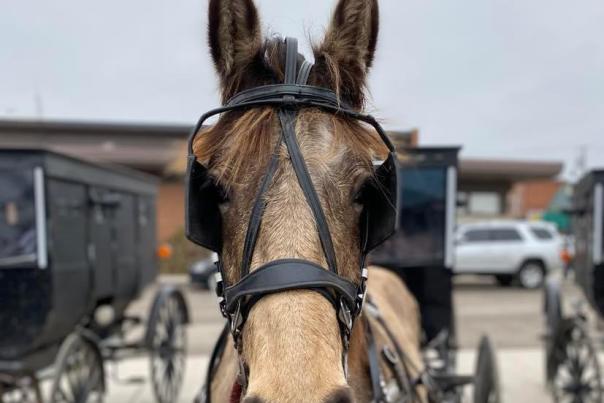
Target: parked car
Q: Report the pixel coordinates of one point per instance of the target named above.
(203, 272)
(509, 250)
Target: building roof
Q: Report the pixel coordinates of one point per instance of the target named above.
(509, 170)
(161, 148)
(148, 147)
(93, 128)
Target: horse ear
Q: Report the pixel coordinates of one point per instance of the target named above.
(233, 35)
(348, 50)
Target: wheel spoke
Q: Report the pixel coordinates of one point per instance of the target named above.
(79, 377)
(577, 378)
(168, 350)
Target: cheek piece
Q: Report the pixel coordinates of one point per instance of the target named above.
(204, 223)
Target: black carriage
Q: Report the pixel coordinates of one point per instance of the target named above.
(572, 337)
(77, 245)
(422, 253)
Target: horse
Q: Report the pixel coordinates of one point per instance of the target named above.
(291, 348)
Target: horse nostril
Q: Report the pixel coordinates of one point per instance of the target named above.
(342, 395)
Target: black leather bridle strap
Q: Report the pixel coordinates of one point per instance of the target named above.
(215, 359)
(288, 121)
(405, 363)
(287, 117)
(281, 95)
(291, 60)
(304, 73)
(259, 207)
(284, 275)
(374, 364)
(255, 222)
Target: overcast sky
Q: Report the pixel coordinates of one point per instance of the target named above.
(503, 78)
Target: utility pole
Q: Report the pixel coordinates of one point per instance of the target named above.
(580, 164)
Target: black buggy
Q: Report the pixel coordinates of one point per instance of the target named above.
(422, 253)
(77, 245)
(574, 335)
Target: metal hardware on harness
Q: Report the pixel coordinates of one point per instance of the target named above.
(361, 297)
(242, 376)
(345, 315)
(236, 320)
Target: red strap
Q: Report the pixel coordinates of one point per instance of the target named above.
(236, 393)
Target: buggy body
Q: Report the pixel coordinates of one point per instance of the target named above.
(73, 236)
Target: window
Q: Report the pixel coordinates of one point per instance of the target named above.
(476, 235)
(484, 203)
(541, 233)
(17, 219)
(505, 235)
(420, 239)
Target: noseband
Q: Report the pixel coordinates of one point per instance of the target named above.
(204, 225)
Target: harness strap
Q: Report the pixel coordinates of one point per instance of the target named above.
(255, 222)
(205, 395)
(284, 275)
(374, 365)
(402, 373)
(304, 73)
(291, 60)
(298, 96)
(288, 118)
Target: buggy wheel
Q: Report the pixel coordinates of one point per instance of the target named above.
(577, 375)
(22, 390)
(166, 341)
(79, 376)
(486, 381)
(553, 320)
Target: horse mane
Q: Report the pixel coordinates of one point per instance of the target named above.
(242, 142)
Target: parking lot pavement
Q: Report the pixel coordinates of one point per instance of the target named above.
(129, 382)
(511, 317)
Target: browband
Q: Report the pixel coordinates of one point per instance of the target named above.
(293, 96)
(281, 92)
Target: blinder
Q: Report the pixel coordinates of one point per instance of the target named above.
(379, 196)
(377, 222)
(203, 224)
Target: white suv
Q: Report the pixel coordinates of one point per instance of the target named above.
(509, 250)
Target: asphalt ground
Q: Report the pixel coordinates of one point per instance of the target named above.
(511, 317)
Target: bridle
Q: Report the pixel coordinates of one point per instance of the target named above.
(204, 224)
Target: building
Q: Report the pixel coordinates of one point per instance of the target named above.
(487, 188)
(506, 188)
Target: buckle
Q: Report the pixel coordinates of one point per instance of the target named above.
(289, 101)
(236, 320)
(219, 284)
(345, 315)
(360, 302)
(362, 294)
